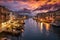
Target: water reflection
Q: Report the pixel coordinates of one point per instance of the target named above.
(44, 27)
(47, 25)
(56, 31)
(41, 27)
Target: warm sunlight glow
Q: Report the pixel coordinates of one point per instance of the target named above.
(29, 4)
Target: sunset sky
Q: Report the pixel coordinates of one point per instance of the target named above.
(31, 4)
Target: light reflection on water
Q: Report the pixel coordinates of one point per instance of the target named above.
(47, 26)
(43, 26)
(38, 31)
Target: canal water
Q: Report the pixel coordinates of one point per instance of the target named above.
(39, 31)
(34, 30)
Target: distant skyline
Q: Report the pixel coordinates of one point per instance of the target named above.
(17, 5)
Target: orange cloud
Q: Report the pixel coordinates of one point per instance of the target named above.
(54, 2)
(33, 4)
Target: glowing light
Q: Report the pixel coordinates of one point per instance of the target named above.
(47, 26)
(41, 27)
(11, 23)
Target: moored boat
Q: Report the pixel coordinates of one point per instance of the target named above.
(56, 24)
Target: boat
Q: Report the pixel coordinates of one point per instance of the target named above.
(56, 24)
